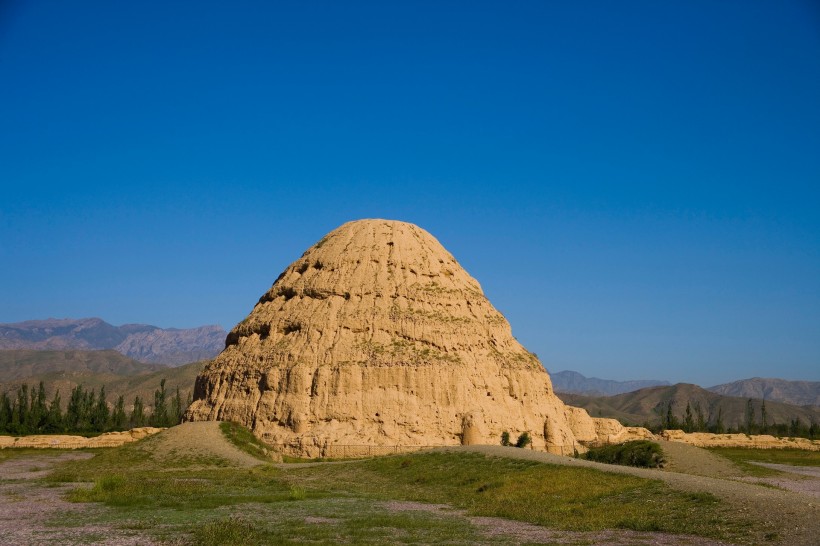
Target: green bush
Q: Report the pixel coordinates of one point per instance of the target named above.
(642, 453)
(524, 440)
(505, 438)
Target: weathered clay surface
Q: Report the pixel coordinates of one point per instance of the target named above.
(377, 336)
(612, 432)
(759, 441)
(62, 441)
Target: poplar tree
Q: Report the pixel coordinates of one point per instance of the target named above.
(73, 410)
(5, 413)
(750, 416)
(159, 417)
(700, 422)
(138, 413)
(688, 420)
(99, 413)
(176, 408)
(719, 422)
(118, 417)
(21, 417)
(37, 410)
(54, 418)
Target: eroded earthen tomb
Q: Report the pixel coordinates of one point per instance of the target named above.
(376, 336)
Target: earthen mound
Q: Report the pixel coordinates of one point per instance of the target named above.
(377, 336)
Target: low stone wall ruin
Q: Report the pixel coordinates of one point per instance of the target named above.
(62, 441)
(758, 441)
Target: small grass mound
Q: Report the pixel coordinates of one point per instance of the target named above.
(233, 530)
(640, 453)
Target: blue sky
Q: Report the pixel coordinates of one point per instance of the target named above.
(636, 185)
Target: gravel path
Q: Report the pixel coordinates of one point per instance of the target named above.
(795, 515)
(801, 479)
(687, 459)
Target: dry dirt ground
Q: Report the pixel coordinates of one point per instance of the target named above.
(26, 505)
(201, 439)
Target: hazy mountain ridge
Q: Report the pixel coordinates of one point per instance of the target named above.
(21, 364)
(799, 393)
(573, 382)
(649, 405)
(142, 342)
(120, 375)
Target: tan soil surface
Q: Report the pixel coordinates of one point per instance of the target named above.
(795, 515)
(195, 440)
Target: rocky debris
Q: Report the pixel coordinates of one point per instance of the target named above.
(757, 441)
(377, 336)
(141, 342)
(60, 441)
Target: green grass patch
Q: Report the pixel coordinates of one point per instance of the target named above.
(232, 530)
(576, 499)
(328, 504)
(191, 490)
(743, 456)
(244, 439)
(640, 453)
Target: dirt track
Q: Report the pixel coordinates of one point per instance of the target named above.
(197, 440)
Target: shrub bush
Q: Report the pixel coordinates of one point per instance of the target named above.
(524, 440)
(642, 453)
(505, 438)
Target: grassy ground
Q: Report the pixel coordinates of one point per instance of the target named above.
(526, 491)
(244, 439)
(743, 456)
(206, 501)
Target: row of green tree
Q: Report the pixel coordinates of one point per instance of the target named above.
(755, 422)
(86, 412)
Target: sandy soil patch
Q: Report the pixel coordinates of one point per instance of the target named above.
(194, 440)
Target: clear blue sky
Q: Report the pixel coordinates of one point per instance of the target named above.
(636, 185)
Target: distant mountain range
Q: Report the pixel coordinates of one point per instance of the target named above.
(573, 382)
(141, 342)
(800, 393)
(63, 370)
(650, 404)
